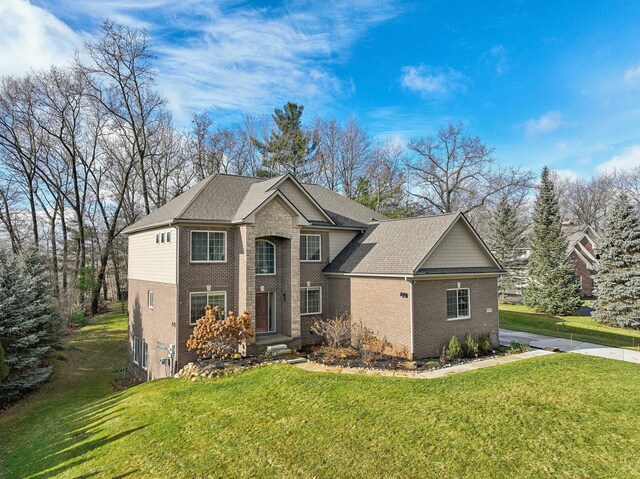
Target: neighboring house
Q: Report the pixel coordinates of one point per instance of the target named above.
(290, 254)
(582, 242)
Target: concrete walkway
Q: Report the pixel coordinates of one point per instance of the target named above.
(566, 345)
(438, 373)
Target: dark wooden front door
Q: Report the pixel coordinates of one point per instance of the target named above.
(262, 312)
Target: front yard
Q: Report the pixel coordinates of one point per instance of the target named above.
(563, 415)
(581, 328)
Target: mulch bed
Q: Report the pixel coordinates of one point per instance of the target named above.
(350, 358)
(209, 368)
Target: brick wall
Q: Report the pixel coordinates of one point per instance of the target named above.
(312, 272)
(195, 277)
(378, 304)
(431, 328)
(155, 326)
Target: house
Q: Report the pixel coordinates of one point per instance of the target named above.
(292, 253)
(582, 241)
(581, 248)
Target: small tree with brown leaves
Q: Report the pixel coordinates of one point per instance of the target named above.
(217, 336)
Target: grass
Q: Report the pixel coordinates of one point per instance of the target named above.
(581, 328)
(516, 420)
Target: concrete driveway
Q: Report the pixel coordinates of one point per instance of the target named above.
(542, 342)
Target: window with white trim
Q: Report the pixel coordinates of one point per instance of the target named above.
(157, 238)
(311, 300)
(145, 352)
(136, 349)
(168, 236)
(265, 257)
(458, 303)
(208, 246)
(150, 299)
(198, 303)
(310, 248)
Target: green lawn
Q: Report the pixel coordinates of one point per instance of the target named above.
(557, 416)
(581, 328)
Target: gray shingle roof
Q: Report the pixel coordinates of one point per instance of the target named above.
(392, 247)
(227, 198)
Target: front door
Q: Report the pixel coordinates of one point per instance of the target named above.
(262, 312)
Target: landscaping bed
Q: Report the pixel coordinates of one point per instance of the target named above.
(351, 358)
(212, 368)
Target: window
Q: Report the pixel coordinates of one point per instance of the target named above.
(136, 349)
(150, 299)
(311, 300)
(168, 236)
(145, 349)
(458, 303)
(157, 238)
(265, 257)
(310, 247)
(208, 246)
(162, 236)
(199, 301)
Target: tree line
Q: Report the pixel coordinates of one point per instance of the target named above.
(89, 148)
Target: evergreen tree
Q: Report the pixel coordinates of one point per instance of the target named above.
(28, 324)
(506, 243)
(4, 369)
(290, 148)
(551, 286)
(618, 274)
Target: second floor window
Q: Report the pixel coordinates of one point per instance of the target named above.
(310, 248)
(265, 257)
(208, 246)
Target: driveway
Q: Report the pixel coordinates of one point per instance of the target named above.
(541, 342)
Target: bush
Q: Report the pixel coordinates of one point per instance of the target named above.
(371, 347)
(453, 349)
(217, 337)
(469, 347)
(518, 346)
(484, 344)
(336, 332)
(78, 318)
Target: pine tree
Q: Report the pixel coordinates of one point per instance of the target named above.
(4, 369)
(28, 324)
(506, 243)
(551, 287)
(618, 273)
(290, 148)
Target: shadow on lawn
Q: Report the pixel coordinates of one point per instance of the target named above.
(83, 435)
(557, 326)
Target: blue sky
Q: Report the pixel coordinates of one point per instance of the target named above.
(554, 83)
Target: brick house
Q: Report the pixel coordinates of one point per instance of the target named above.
(291, 253)
(582, 241)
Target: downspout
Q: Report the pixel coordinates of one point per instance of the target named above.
(410, 314)
(174, 359)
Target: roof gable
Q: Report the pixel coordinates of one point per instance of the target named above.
(303, 201)
(459, 247)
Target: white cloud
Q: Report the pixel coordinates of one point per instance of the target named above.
(431, 82)
(31, 37)
(496, 57)
(547, 123)
(627, 160)
(566, 174)
(632, 77)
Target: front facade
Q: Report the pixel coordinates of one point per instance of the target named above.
(291, 254)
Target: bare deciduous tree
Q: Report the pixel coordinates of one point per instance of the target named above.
(455, 171)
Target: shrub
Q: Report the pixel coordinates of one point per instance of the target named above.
(469, 347)
(336, 332)
(218, 337)
(371, 347)
(484, 344)
(518, 346)
(78, 318)
(453, 349)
